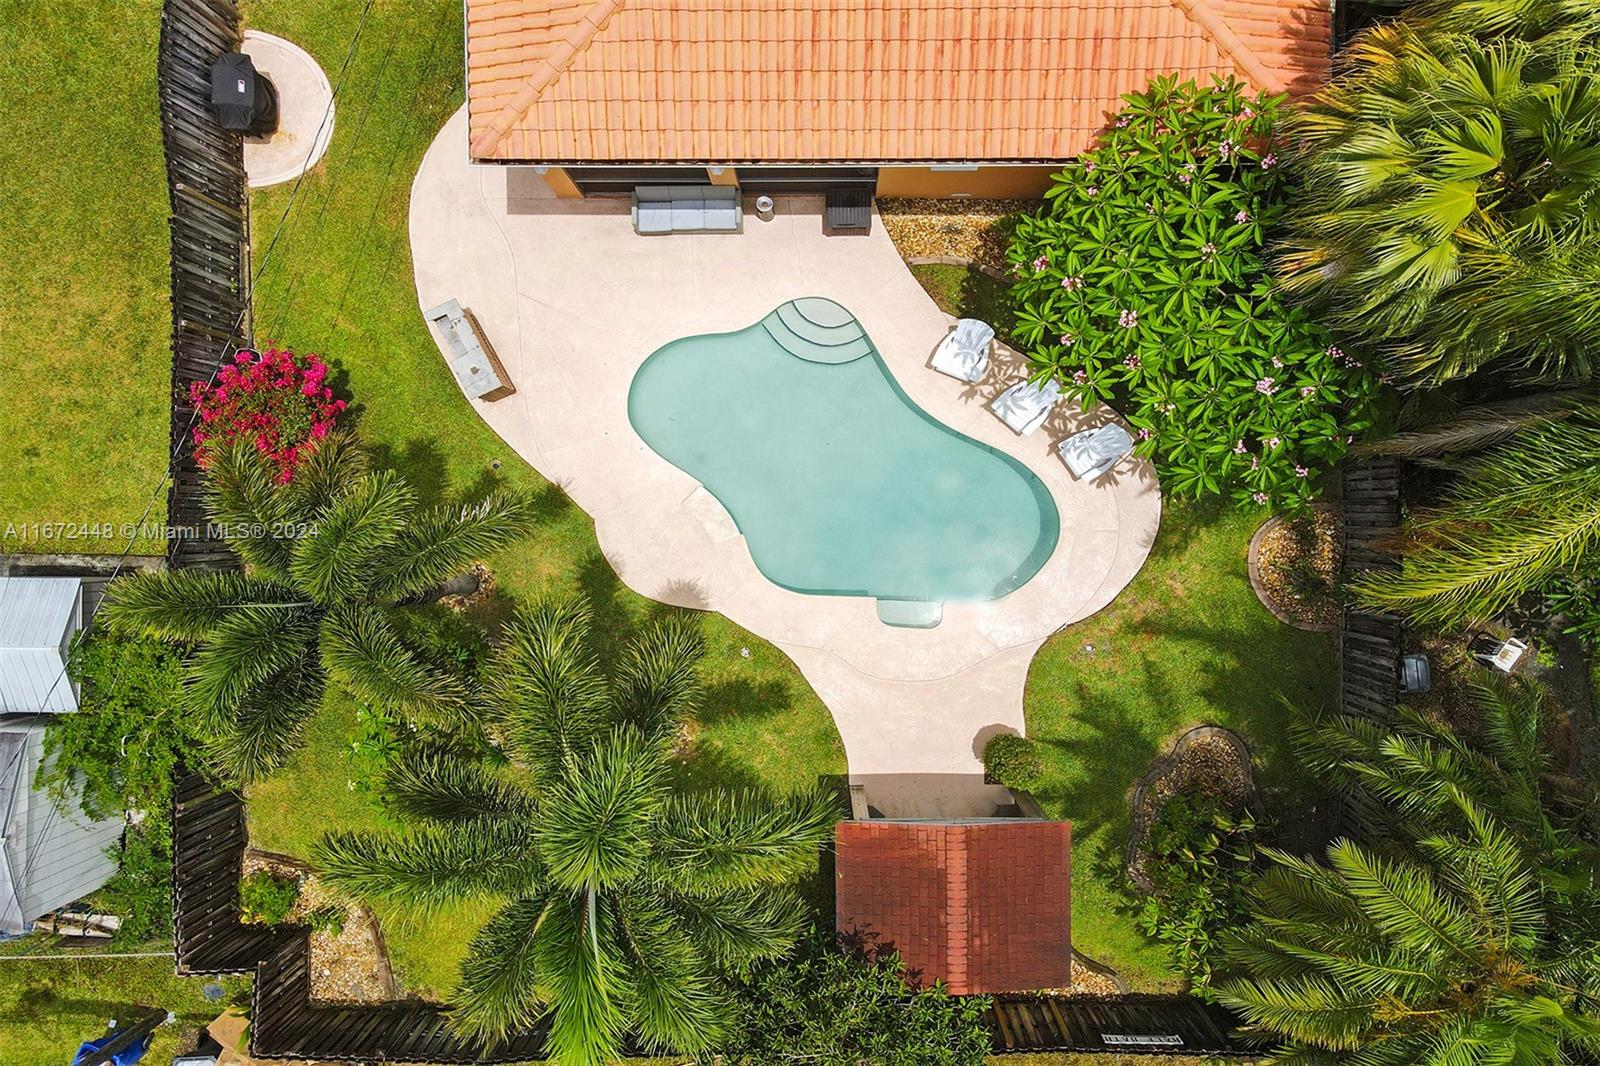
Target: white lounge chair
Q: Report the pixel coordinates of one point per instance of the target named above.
(1094, 451)
(964, 352)
(1025, 406)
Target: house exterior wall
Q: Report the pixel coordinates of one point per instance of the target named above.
(996, 182)
(561, 185)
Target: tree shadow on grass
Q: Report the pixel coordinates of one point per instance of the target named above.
(742, 698)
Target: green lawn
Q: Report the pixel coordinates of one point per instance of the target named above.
(49, 1006)
(340, 283)
(1186, 643)
(968, 293)
(84, 318)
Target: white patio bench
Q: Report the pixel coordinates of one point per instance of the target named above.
(687, 209)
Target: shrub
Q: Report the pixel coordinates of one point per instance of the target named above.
(1201, 859)
(266, 898)
(122, 749)
(846, 1000)
(276, 398)
(1013, 760)
(1142, 283)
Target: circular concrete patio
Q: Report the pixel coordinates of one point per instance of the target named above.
(305, 112)
(573, 302)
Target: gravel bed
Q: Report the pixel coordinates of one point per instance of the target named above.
(1206, 761)
(1288, 554)
(968, 229)
(352, 967)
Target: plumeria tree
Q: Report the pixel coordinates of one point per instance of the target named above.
(1142, 284)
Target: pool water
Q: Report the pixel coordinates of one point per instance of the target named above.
(840, 484)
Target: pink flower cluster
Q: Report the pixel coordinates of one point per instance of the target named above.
(278, 400)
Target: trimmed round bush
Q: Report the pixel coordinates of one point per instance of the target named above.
(1013, 760)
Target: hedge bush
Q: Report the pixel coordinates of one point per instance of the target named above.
(1142, 283)
(1013, 760)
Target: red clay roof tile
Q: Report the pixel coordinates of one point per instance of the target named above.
(982, 906)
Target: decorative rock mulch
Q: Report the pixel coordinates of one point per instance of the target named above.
(965, 229)
(1207, 760)
(1283, 555)
(352, 967)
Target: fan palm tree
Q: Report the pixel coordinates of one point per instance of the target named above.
(1521, 515)
(1464, 932)
(624, 903)
(327, 557)
(1452, 196)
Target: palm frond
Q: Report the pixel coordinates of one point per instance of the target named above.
(596, 822)
(680, 1006)
(430, 866)
(548, 695)
(717, 840)
(499, 993)
(324, 475)
(445, 541)
(245, 499)
(742, 927)
(339, 561)
(657, 685)
(1403, 901)
(586, 979)
(362, 651)
(188, 605)
(251, 645)
(1475, 428)
(267, 723)
(444, 786)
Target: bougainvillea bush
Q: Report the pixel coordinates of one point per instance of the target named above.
(1142, 283)
(276, 398)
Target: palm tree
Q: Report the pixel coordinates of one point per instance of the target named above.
(1521, 515)
(327, 558)
(1452, 195)
(624, 903)
(1464, 932)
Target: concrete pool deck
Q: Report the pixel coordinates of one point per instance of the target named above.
(574, 301)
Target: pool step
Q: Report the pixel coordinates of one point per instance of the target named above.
(818, 344)
(820, 330)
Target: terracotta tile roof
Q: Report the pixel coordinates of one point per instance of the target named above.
(730, 81)
(982, 906)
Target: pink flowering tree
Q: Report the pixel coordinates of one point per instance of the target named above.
(1142, 283)
(276, 399)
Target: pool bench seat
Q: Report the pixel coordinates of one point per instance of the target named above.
(687, 209)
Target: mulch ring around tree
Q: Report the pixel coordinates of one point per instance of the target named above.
(1294, 562)
(1206, 761)
(350, 966)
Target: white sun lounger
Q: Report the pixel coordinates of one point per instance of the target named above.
(964, 352)
(1094, 451)
(1025, 406)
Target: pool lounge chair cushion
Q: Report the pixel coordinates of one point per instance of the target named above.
(1025, 406)
(1094, 451)
(964, 352)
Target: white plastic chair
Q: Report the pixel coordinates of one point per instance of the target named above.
(1025, 406)
(964, 352)
(1094, 451)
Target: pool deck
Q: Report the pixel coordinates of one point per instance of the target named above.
(574, 301)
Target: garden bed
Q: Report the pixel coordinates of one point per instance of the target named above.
(1294, 561)
(1207, 761)
(349, 964)
(975, 230)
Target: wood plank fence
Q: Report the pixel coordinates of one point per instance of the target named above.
(210, 248)
(1127, 1024)
(1370, 642)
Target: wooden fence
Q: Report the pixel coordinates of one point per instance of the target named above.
(210, 247)
(1130, 1024)
(1370, 643)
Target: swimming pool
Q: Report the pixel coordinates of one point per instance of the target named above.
(840, 484)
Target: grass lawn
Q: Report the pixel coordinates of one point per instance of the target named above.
(49, 1006)
(340, 283)
(1186, 643)
(84, 318)
(968, 293)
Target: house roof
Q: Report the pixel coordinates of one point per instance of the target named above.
(983, 906)
(37, 616)
(871, 81)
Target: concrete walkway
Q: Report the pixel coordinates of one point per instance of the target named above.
(574, 301)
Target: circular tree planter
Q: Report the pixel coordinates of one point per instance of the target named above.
(305, 111)
(1207, 759)
(1275, 551)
